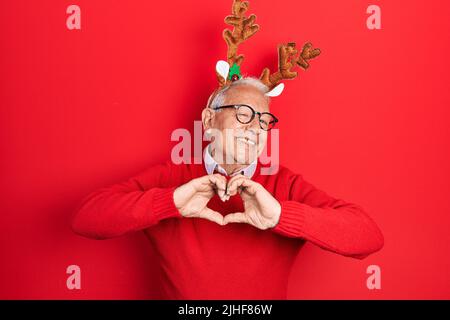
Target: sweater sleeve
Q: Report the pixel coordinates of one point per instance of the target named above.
(332, 224)
(135, 204)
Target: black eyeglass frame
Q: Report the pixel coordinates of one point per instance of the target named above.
(254, 113)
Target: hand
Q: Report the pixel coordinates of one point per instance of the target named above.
(261, 209)
(191, 198)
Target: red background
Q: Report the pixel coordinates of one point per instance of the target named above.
(368, 122)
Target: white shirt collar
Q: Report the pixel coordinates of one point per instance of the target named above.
(211, 165)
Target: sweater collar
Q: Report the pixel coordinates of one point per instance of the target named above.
(211, 165)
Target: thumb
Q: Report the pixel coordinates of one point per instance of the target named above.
(238, 217)
(211, 215)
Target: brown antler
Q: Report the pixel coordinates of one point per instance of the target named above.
(243, 28)
(288, 59)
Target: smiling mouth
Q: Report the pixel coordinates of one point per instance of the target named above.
(247, 141)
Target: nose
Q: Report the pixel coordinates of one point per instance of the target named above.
(253, 125)
(252, 129)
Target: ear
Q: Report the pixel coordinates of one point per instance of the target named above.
(276, 91)
(207, 117)
(223, 68)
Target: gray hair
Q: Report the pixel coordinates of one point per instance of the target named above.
(219, 98)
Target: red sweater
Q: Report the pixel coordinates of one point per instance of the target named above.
(200, 259)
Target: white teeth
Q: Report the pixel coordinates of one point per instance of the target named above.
(250, 142)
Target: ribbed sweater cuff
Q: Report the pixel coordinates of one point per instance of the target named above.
(292, 219)
(163, 204)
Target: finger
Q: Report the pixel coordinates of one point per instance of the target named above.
(219, 182)
(211, 215)
(233, 184)
(211, 182)
(242, 183)
(223, 186)
(238, 217)
(249, 186)
(234, 178)
(203, 182)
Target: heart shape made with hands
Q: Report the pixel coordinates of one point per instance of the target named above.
(261, 209)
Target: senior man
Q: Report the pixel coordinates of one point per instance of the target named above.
(221, 229)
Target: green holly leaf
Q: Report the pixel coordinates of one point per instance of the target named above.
(235, 69)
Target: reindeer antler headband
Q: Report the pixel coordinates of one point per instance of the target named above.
(245, 27)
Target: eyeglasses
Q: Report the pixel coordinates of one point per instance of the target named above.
(245, 114)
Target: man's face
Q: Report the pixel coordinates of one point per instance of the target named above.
(240, 143)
